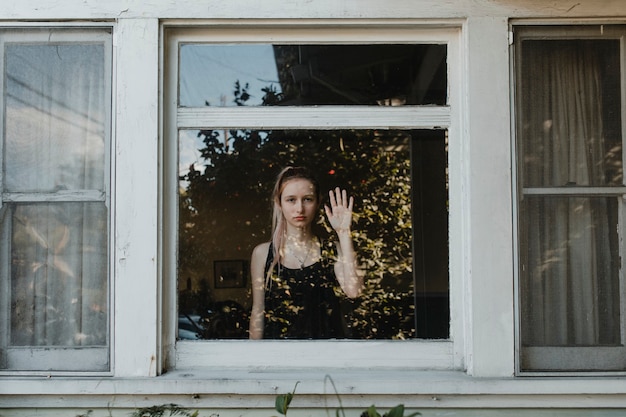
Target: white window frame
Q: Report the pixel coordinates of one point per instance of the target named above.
(411, 354)
(38, 359)
(568, 358)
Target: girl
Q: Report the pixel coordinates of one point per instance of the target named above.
(294, 276)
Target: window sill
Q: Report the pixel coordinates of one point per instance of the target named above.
(257, 388)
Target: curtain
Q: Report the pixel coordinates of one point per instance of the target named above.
(54, 148)
(570, 258)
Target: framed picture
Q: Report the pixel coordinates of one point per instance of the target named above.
(230, 274)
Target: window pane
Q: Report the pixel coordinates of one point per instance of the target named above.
(398, 179)
(59, 271)
(570, 136)
(54, 117)
(570, 271)
(297, 75)
(54, 207)
(571, 107)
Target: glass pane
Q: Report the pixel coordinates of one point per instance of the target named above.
(571, 113)
(58, 290)
(54, 117)
(398, 179)
(298, 75)
(570, 271)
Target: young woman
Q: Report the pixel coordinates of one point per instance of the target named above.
(295, 275)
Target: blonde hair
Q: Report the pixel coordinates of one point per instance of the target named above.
(278, 220)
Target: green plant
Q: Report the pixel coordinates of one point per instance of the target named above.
(397, 411)
(164, 410)
(283, 402)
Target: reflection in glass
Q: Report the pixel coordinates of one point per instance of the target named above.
(54, 117)
(571, 288)
(572, 127)
(570, 137)
(58, 274)
(54, 246)
(398, 179)
(299, 75)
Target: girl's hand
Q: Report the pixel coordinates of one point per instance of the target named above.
(340, 211)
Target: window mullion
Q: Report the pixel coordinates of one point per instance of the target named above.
(335, 117)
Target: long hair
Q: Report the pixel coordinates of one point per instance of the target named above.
(278, 220)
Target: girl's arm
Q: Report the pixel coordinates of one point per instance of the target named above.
(257, 266)
(339, 213)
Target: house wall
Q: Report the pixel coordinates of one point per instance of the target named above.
(481, 383)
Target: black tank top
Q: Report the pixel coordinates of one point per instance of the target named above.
(302, 303)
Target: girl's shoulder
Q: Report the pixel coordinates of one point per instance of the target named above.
(261, 250)
(262, 247)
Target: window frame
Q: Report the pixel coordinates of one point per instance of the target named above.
(565, 356)
(418, 354)
(86, 33)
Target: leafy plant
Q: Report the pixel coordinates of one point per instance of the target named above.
(164, 410)
(283, 402)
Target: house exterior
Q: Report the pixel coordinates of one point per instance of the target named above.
(534, 164)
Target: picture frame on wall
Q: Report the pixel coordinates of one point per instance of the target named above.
(230, 273)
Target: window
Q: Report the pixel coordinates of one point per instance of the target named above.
(367, 113)
(54, 202)
(571, 198)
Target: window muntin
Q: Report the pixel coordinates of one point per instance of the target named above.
(54, 211)
(399, 181)
(570, 176)
(297, 75)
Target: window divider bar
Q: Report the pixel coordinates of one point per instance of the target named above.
(322, 117)
(59, 196)
(575, 191)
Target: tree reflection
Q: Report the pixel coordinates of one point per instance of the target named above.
(224, 205)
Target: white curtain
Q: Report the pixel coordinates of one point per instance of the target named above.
(54, 148)
(569, 288)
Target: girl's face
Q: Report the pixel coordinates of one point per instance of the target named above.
(298, 202)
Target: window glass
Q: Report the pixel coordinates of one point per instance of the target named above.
(54, 207)
(298, 75)
(399, 181)
(54, 117)
(573, 297)
(571, 201)
(58, 275)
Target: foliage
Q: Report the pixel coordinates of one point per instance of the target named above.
(164, 410)
(231, 192)
(283, 401)
(397, 411)
(282, 404)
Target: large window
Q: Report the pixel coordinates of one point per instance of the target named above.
(570, 132)
(54, 201)
(370, 115)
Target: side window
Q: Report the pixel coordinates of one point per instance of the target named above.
(54, 202)
(570, 198)
(285, 100)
